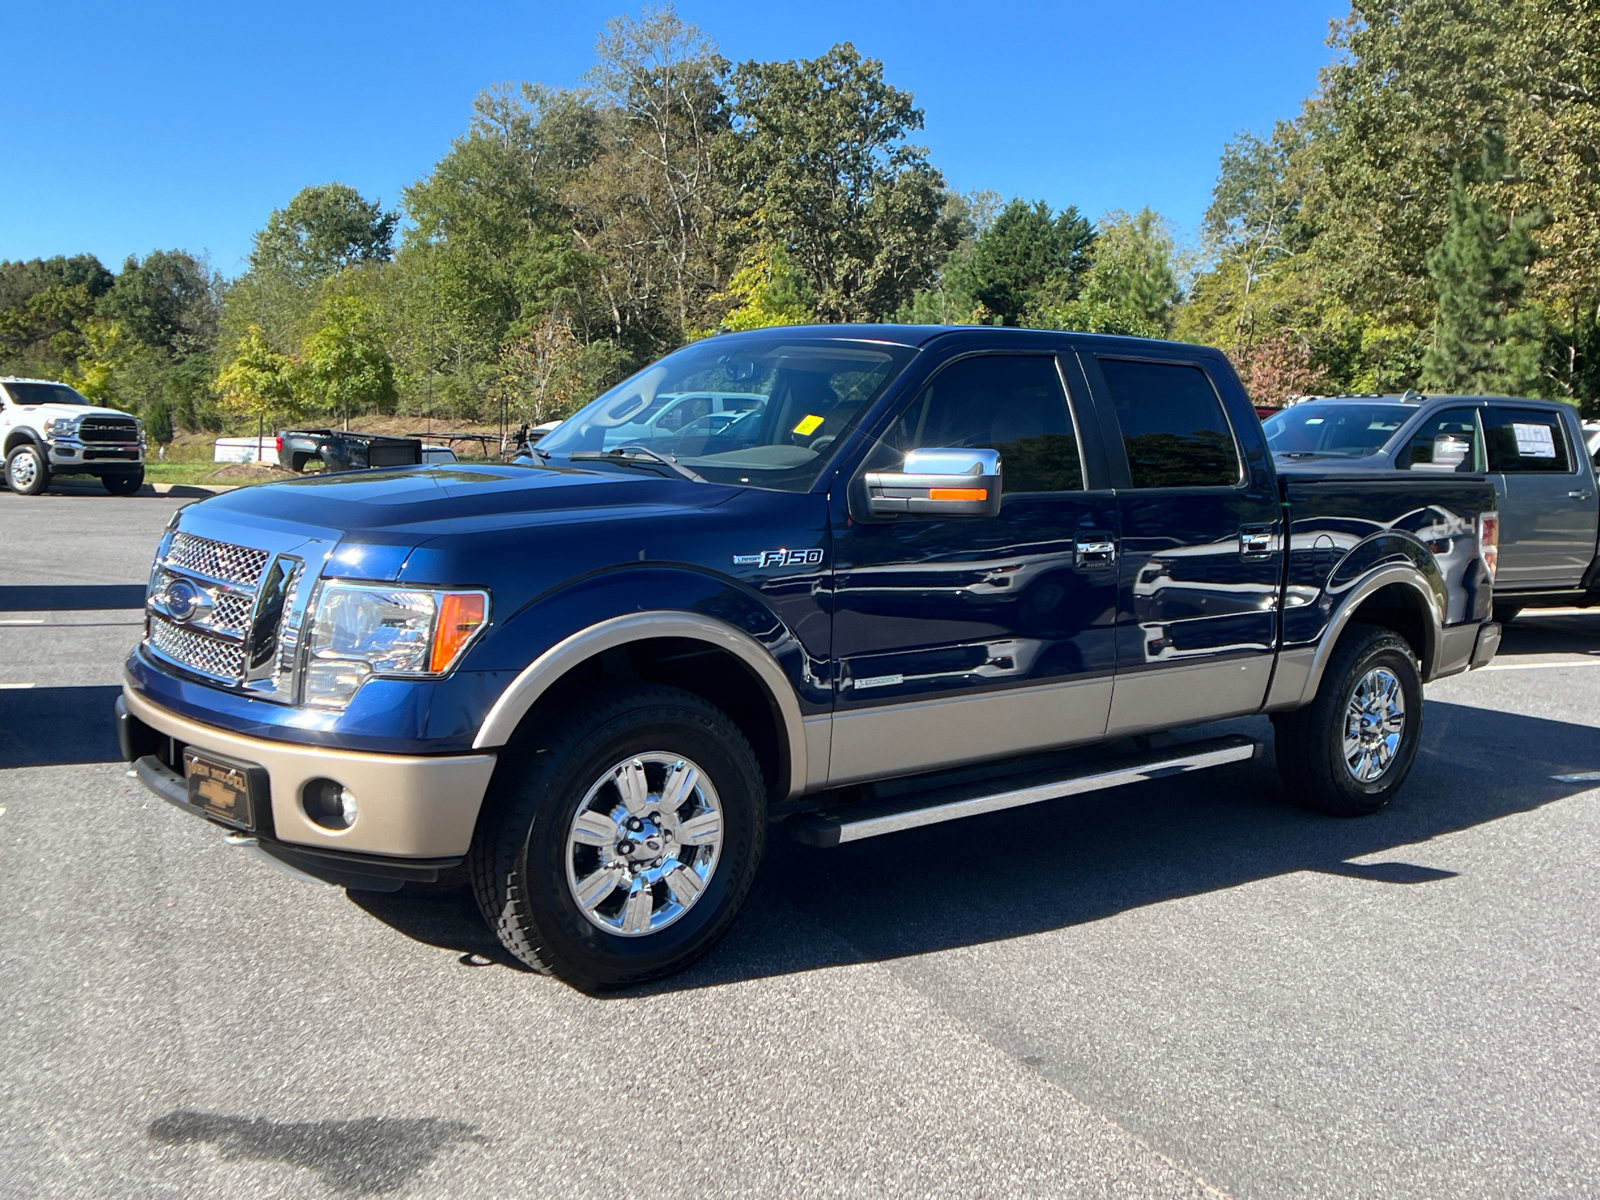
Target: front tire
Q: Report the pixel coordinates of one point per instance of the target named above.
(1349, 751)
(619, 847)
(124, 484)
(27, 470)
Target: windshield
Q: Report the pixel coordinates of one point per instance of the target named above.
(760, 410)
(1335, 430)
(46, 393)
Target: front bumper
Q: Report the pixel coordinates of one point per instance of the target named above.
(71, 454)
(410, 806)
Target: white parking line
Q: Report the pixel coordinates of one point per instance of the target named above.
(23, 621)
(16, 686)
(1538, 666)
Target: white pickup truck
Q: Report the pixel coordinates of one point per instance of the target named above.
(48, 429)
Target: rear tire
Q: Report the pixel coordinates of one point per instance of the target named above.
(125, 484)
(1506, 613)
(1349, 751)
(558, 826)
(27, 470)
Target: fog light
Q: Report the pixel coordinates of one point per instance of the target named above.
(329, 803)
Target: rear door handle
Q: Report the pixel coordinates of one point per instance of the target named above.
(1094, 551)
(1577, 495)
(1255, 541)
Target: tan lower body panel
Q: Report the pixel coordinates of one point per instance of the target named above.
(899, 739)
(1186, 693)
(408, 806)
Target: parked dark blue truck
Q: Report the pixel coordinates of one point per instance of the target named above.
(916, 573)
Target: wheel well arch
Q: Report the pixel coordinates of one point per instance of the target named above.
(1400, 607)
(18, 436)
(1394, 598)
(709, 658)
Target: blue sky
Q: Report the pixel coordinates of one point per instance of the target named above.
(131, 127)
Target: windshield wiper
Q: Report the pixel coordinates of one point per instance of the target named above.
(635, 456)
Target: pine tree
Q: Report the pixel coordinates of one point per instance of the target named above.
(1486, 341)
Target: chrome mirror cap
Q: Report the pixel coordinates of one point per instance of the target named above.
(939, 481)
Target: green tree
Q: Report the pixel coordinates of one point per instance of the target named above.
(257, 381)
(105, 351)
(1027, 256)
(648, 207)
(1486, 341)
(820, 165)
(1133, 269)
(766, 292)
(345, 363)
(168, 302)
(43, 303)
(323, 230)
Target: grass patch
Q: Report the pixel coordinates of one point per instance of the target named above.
(205, 472)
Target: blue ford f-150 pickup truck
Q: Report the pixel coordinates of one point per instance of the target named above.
(915, 577)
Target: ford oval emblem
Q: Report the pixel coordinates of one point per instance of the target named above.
(182, 600)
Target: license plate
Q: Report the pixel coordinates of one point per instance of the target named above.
(219, 788)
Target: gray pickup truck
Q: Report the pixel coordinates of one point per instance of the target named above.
(1533, 451)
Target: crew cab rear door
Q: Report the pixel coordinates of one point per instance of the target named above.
(960, 637)
(1200, 557)
(1548, 509)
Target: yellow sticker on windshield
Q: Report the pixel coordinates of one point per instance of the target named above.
(808, 426)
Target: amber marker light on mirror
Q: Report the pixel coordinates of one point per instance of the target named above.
(1489, 541)
(958, 494)
(460, 616)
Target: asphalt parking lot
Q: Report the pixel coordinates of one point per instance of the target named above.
(1186, 988)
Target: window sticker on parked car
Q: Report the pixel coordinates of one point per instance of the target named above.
(1534, 441)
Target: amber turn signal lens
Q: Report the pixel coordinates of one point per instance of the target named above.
(460, 614)
(958, 493)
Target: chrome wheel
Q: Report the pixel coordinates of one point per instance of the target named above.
(644, 844)
(24, 471)
(1374, 723)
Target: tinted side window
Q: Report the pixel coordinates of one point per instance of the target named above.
(1009, 403)
(1446, 442)
(1172, 425)
(1521, 440)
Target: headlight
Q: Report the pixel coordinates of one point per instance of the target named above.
(360, 632)
(57, 427)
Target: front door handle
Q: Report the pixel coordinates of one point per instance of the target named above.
(1255, 541)
(1094, 552)
(1577, 495)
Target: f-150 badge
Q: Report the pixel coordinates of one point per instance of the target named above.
(779, 558)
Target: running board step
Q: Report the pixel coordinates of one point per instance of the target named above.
(872, 818)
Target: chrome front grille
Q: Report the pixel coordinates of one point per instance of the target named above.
(228, 612)
(232, 612)
(108, 429)
(211, 656)
(217, 560)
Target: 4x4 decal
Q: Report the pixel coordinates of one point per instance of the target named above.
(779, 558)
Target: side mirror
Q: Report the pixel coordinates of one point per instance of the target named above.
(939, 482)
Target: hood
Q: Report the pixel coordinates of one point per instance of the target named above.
(40, 413)
(411, 505)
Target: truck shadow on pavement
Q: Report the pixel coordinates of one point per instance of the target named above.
(1067, 862)
(365, 1157)
(54, 726)
(70, 597)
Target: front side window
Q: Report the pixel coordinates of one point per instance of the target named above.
(1447, 442)
(787, 401)
(1010, 403)
(1524, 440)
(1173, 428)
